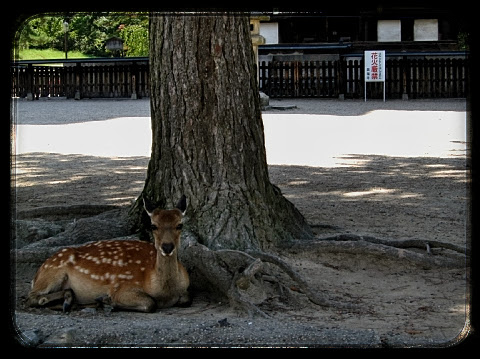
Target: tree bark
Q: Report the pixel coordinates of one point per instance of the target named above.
(208, 140)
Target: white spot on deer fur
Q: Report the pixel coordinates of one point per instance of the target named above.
(64, 249)
(125, 276)
(60, 254)
(82, 270)
(71, 259)
(138, 261)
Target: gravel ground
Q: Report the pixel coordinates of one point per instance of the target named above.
(395, 169)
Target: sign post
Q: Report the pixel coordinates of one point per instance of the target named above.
(374, 69)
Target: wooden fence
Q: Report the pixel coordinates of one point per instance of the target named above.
(128, 77)
(82, 79)
(415, 78)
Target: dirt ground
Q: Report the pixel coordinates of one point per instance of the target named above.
(380, 193)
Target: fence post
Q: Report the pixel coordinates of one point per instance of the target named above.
(78, 81)
(341, 67)
(404, 78)
(133, 73)
(30, 82)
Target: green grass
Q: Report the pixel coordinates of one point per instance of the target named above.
(47, 54)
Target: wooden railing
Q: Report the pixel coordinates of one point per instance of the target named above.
(81, 78)
(406, 77)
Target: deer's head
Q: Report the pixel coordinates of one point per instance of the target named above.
(166, 225)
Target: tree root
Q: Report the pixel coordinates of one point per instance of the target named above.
(239, 276)
(405, 243)
(311, 294)
(67, 211)
(395, 249)
(234, 273)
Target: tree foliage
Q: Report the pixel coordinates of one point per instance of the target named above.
(87, 32)
(135, 39)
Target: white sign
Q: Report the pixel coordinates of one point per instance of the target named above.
(374, 69)
(375, 66)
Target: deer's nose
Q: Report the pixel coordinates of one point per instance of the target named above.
(167, 248)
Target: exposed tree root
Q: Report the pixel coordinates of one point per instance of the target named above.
(239, 276)
(240, 270)
(313, 295)
(395, 249)
(70, 211)
(405, 243)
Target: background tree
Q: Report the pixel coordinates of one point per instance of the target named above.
(42, 32)
(87, 32)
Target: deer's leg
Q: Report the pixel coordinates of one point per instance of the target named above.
(185, 300)
(56, 298)
(47, 288)
(44, 299)
(68, 299)
(132, 299)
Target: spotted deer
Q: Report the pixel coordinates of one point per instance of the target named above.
(127, 274)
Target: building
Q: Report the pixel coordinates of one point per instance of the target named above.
(335, 30)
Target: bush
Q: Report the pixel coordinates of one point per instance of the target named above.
(135, 39)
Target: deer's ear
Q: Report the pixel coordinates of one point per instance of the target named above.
(149, 207)
(182, 204)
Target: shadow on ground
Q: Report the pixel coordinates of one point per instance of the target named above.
(47, 179)
(379, 195)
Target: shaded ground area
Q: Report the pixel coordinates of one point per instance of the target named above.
(55, 179)
(421, 197)
(385, 196)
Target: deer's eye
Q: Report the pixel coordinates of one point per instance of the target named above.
(153, 227)
(179, 227)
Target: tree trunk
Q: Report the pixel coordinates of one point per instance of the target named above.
(208, 140)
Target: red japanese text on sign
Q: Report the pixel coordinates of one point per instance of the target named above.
(374, 65)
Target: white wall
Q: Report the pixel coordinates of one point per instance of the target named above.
(425, 30)
(269, 30)
(389, 30)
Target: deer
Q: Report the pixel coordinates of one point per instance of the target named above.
(129, 275)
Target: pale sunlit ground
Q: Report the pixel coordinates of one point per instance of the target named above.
(324, 140)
